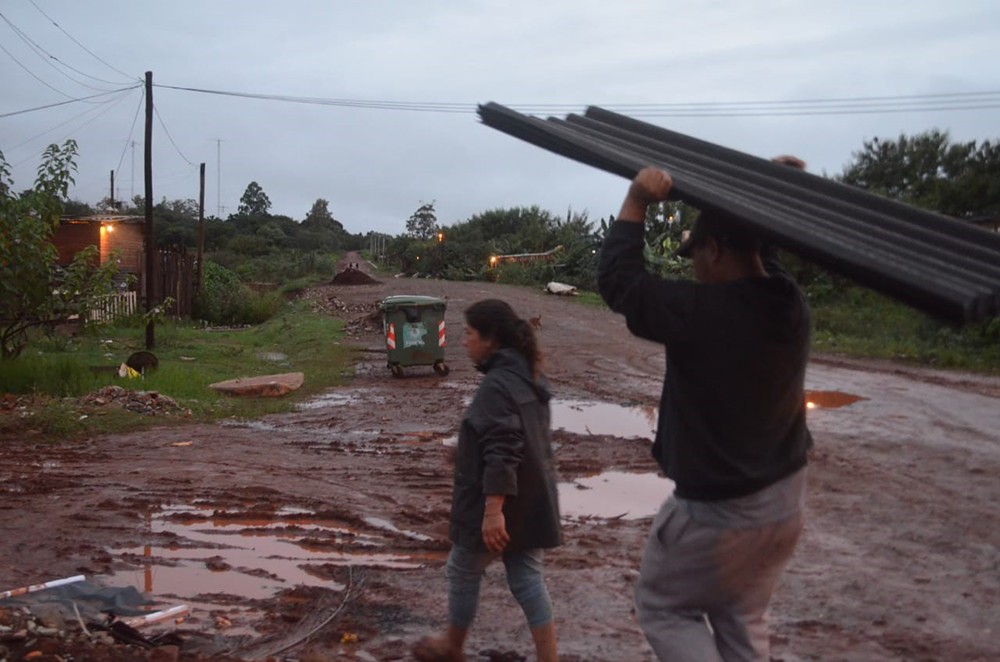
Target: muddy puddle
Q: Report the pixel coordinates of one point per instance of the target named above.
(340, 399)
(614, 494)
(211, 555)
(603, 418)
(204, 555)
(830, 399)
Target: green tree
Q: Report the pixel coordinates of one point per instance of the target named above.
(176, 223)
(927, 170)
(319, 217)
(254, 201)
(422, 224)
(33, 292)
(77, 208)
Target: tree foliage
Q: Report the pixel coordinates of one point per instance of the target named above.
(320, 218)
(422, 223)
(929, 171)
(254, 202)
(33, 291)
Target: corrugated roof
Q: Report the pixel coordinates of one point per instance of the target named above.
(930, 261)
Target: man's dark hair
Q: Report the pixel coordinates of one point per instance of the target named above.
(722, 228)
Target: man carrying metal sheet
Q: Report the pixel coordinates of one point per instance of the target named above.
(732, 429)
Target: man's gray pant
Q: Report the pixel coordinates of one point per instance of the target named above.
(695, 575)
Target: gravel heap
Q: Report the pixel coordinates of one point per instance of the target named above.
(147, 403)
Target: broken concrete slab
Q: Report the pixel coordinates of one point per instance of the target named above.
(263, 386)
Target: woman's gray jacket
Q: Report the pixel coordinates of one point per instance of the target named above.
(505, 447)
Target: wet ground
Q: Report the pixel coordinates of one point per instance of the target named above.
(321, 534)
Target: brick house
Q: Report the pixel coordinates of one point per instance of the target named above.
(124, 234)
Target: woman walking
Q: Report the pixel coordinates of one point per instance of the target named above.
(504, 501)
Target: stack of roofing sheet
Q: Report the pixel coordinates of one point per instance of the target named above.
(932, 262)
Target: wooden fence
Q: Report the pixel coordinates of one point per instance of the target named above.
(110, 307)
(175, 278)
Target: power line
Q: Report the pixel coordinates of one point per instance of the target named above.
(822, 106)
(94, 55)
(32, 74)
(108, 105)
(48, 58)
(63, 103)
(130, 130)
(156, 110)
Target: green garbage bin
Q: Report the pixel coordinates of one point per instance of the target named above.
(414, 333)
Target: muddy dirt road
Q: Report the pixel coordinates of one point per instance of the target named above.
(338, 512)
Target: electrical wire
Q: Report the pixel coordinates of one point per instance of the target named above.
(32, 74)
(108, 103)
(822, 106)
(169, 137)
(131, 130)
(90, 52)
(63, 103)
(108, 106)
(48, 57)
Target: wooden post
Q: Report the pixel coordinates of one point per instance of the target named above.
(112, 189)
(201, 229)
(150, 239)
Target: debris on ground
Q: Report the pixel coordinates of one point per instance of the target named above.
(264, 385)
(322, 301)
(142, 361)
(360, 317)
(147, 403)
(561, 289)
(365, 324)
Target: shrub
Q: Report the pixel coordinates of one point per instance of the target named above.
(225, 299)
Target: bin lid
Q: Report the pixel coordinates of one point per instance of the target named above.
(410, 301)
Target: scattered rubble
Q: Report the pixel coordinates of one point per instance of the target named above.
(147, 403)
(25, 635)
(360, 318)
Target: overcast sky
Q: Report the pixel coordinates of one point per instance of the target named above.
(376, 166)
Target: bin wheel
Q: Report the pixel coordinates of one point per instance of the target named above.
(397, 370)
(441, 368)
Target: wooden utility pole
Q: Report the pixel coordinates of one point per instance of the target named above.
(150, 240)
(201, 228)
(112, 198)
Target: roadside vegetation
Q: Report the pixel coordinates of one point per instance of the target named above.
(54, 376)
(257, 262)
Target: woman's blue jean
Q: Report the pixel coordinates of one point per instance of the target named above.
(524, 577)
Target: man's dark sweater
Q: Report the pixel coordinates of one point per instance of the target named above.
(732, 413)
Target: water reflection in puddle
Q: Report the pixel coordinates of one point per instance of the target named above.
(598, 418)
(253, 556)
(614, 494)
(603, 418)
(830, 399)
(339, 399)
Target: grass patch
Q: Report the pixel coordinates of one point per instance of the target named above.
(858, 322)
(592, 299)
(861, 323)
(53, 373)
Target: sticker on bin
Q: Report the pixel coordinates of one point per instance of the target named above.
(441, 339)
(413, 335)
(390, 337)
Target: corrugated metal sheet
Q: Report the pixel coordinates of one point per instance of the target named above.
(932, 262)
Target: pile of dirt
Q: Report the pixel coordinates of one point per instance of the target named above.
(148, 403)
(353, 277)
